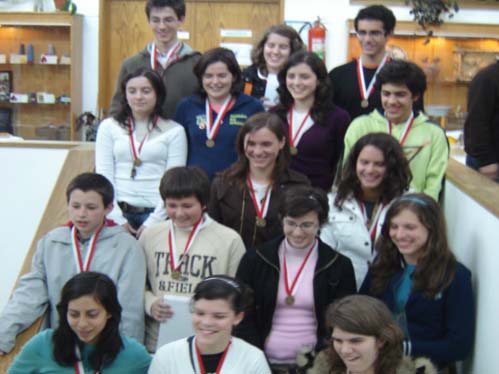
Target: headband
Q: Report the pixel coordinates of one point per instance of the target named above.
(414, 199)
(230, 282)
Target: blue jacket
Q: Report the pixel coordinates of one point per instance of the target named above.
(440, 328)
(191, 114)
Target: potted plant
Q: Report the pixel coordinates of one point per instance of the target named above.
(429, 13)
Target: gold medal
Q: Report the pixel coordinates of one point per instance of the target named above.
(176, 275)
(137, 162)
(210, 143)
(364, 103)
(260, 222)
(290, 300)
(293, 151)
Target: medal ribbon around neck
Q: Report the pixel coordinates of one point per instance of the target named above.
(405, 132)
(373, 227)
(172, 246)
(294, 139)
(262, 207)
(199, 360)
(79, 369)
(131, 128)
(171, 56)
(80, 265)
(366, 92)
(213, 127)
(291, 290)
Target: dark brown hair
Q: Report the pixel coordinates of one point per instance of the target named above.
(185, 181)
(300, 200)
(178, 6)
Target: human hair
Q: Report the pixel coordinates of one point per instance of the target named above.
(92, 182)
(377, 13)
(226, 288)
(225, 56)
(239, 170)
(397, 173)
(368, 316)
(185, 181)
(178, 7)
(323, 98)
(109, 343)
(436, 266)
(300, 200)
(405, 73)
(123, 111)
(295, 44)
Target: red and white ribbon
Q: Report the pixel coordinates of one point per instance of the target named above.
(172, 248)
(131, 129)
(213, 127)
(198, 362)
(405, 132)
(84, 265)
(296, 133)
(171, 56)
(366, 92)
(261, 207)
(291, 286)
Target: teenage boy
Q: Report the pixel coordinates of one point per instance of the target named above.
(171, 58)
(87, 242)
(353, 83)
(425, 144)
(187, 248)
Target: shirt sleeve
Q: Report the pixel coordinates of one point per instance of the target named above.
(437, 165)
(31, 357)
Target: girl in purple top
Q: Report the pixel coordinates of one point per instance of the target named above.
(315, 126)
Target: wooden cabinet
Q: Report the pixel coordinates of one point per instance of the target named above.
(50, 85)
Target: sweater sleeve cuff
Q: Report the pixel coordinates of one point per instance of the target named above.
(150, 298)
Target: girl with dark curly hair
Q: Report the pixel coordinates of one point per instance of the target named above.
(375, 172)
(315, 126)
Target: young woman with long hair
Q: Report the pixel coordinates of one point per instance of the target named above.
(427, 290)
(375, 173)
(87, 338)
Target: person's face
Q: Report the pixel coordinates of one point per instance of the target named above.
(301, 231)
(372, 38)
(301, 82)
(217, 81)
(370, 168)
(87, 211)
(87, 318)
(397, 102)
(212, 321)
(262, 147)
(358, 352)
(409, 235)
(140, 96)
(185, 211)
(164, 24)
(276, 51)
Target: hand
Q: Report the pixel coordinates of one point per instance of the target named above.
(161, 311)
(267, 104)
(130, 229)
(139, 231)
(2, 353)
(489, 171)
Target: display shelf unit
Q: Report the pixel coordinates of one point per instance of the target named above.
(63, 31)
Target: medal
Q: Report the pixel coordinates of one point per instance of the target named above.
(295, 137)
(175, 275)
(212, 128)
(137, 162)
(260, 222)
(364, 103)
(366, 92)
(293, 151)
(290, 300)
(261, 207)
(171, 56)
(210, 143)
(133, 173)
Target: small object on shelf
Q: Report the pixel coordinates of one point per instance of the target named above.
(22, 49)
(32, 97)
(65, 60)
(5, 85)
(48, 59)
(3, 58)
(45, 98)
(18, 59)
(19, 98)
(64, 99)
(31, 56)
(51, 50)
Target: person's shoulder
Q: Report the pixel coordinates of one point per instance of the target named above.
(222, 231)
(155, 229)
(246, 100)
(250, 72)
(40, 341)
(134, 350)
(59, 234)
(292, 177)
(169, 125)
(189, 101)
(246, 347)
(421, 365)
(136, 60)
(169, 350)
(339, 70)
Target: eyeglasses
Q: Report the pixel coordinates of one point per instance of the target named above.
(304, 226)
(372, 34)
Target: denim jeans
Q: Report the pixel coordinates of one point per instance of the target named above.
(137, 219)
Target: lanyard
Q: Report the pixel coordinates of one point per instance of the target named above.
(366, 92)
(170, 56)
(373, 226)
(291, 290)
(79, 369)
(294, 139)
(80, 265)
(213, 127)
(175, 268)
(136, 151)
(200, 369)
(405, 132)
(261, 207)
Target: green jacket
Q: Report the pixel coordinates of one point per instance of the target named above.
(426, 148)
(178, 77)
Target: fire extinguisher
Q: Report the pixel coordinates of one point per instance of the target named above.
(317, 39)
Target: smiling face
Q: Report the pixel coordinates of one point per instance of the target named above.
(140, 96)
(372, 39)
(87, 211)
(409, 235)
(358, 352)
(371, 168)
(301, 232)
(213, 321)
(262, 147)
(301, 82)
(217, 82)
(276, 51)
(397, 101)
(185, 211)
(87, 318)
(164, 24)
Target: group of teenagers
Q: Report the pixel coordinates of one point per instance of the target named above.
(307, 242)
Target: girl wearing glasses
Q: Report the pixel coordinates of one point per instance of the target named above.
(294, 279)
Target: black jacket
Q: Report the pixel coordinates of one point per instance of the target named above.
(259, 269)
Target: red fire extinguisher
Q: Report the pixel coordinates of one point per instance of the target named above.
(317, 39)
